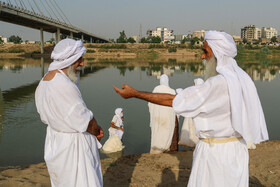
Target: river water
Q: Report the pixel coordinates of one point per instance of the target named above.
(22, 134)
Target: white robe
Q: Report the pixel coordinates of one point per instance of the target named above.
(224, 164)
(162, 122)
(71, 153)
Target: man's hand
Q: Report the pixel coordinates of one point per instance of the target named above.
(101, 134)
(95, 129)
(126, 91)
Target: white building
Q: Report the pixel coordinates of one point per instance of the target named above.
(268, 33)
(5, 40)
(199, 34)
(250, 32)
(164, 34)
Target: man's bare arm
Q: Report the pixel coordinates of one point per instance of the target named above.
(116, 127)
(156, 98)
(95, 129)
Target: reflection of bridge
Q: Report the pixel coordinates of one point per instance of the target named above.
(20, 15)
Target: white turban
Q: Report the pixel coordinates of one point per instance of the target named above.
(65, 53)
(247, 114)
(164, 80)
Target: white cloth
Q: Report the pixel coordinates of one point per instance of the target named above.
(187, 135)
(113, 144)
(117, 119)
(246, 110)
(162, 121)
(65, 53)
(71, 153)
(224, 164)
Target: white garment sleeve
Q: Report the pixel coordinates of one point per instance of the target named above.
(198, 99)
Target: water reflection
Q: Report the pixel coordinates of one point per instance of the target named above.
(263, 70)
(114, 154)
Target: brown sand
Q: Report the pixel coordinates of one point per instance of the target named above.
(167, 169)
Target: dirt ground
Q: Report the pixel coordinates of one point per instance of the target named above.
(167, 169)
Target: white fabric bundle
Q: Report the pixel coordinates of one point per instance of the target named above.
(247, 114)
(65, 53)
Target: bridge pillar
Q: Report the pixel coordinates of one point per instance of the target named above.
(57, 36)
(90, 39)
(71, 35)
(42, 40)
(42, 66)
(82, 37)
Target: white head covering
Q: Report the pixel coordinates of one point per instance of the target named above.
(65, 53)
(247, 114)
(119, 114)
(164, 80)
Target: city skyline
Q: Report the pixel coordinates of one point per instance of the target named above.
(108, 18)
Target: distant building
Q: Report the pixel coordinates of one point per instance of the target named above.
(135, 38)
(268, 33)
(278, 38)
(250, 33)
(199, 34)
(5, 40)
(164, 34)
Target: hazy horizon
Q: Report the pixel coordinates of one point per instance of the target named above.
(108, 18)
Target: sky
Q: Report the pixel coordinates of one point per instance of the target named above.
(107, 18)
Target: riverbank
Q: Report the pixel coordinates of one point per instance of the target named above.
(105, 50)
(167, 169)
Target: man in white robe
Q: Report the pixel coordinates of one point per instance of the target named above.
(71, 145)
(162, 120)
(226, 111)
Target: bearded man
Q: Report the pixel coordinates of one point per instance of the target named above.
(226, 111)
(71, 146)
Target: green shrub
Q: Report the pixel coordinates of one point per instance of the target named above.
(114, 46)
(16, 51)
(90, 51)
(35, 52)
(172, 49)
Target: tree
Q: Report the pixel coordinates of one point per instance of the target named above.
(155, 39)
(122, 38)
(131, 40)
(15, 39)
(245, 40)
(194, 41)
(184, 40)
(144, 40)
(274, 39)
(1, 40)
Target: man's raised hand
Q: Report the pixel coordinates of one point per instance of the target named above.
(126, 91)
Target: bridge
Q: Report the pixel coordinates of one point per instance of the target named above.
(21, 15)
